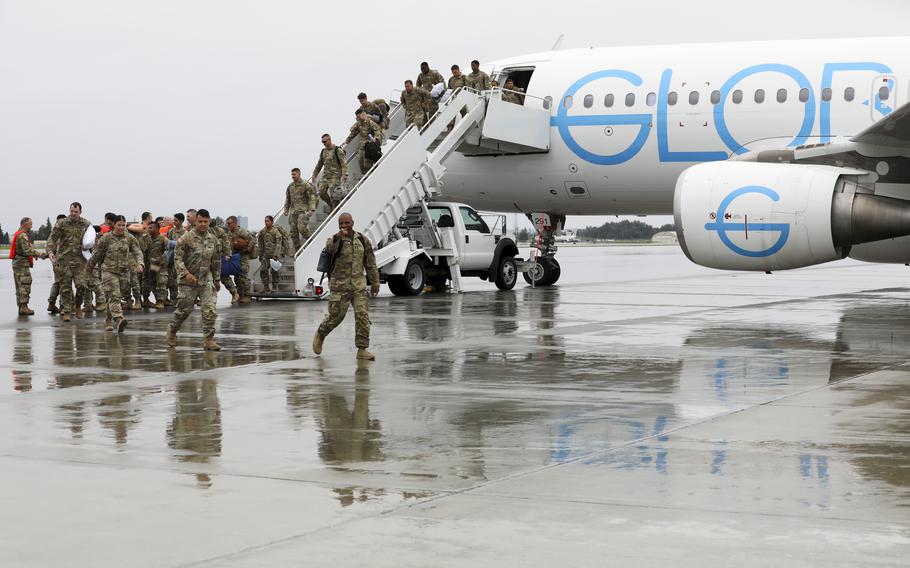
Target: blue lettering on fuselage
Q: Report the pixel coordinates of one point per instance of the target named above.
(564, 122)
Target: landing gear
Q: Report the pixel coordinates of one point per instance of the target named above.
(547, 271)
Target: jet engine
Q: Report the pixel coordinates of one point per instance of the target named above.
(766, 216)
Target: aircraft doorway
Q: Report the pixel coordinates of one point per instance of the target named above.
(521, 76)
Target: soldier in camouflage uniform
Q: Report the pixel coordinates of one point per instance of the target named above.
(65, 249)
(512, 94)
(300, 202)
(458, 79)
(334, 166)
(117, 254)
(173, 234)
(198, 261)
(353, 254)
(154, 248)
(272, 246)
(477, 79)
(55, 287)
(241, 283)
(23, 254)
(132, 291)
(428, 79)
(415, 101)
(368, 131)
(377, 110)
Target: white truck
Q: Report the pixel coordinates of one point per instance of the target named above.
(439, 242)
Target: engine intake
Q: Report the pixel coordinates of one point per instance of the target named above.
(765, 216)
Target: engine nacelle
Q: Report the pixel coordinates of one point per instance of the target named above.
(766, 216)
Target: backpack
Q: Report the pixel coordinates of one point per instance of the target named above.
(327, 260)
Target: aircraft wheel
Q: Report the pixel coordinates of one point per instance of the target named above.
(546, 273)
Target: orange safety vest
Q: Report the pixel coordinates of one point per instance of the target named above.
(12, 248)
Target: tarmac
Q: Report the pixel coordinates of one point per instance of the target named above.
(642, 412)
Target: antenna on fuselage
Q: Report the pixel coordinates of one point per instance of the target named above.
(558, 43)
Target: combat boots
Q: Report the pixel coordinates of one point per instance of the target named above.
(235, 297)
(245, 300)
(171, 337)
(137, 305)
(146, 303)
(108, 324)
(66, 317)
(363, 353)
(159, 305)
(317, 343)
(210, 344)
(121, 324)
(78, 313)
(52, 308)
(100, 307)
(24, 310)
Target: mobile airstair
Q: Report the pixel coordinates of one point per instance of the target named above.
(410, 173)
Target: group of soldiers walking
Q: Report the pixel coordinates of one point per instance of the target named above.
(181, 264)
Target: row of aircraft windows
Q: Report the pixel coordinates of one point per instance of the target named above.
(736, 96)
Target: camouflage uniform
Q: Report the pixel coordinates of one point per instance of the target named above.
(118, 257)
(173, 234)
(272, 244)
(368, 131)
(348, 285)
(376, 112)
(299, 200)
(241, 283)
(199, 255)
(22, 268)
(133, 286)
(479, 81)
(458, 82)
(514, 97)
(95, 286)
(224, 243)
(154, 277)
(427, 81)
(66, 243)
(415, 106)
(334, 166)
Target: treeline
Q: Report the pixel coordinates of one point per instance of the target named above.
(623, 231)
(41, 234)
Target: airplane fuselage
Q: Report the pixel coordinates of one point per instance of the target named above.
(625, 122)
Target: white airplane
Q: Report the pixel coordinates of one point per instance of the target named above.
(770, 155)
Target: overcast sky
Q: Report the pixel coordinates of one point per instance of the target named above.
(164, 105)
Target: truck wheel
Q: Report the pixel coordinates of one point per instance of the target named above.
(546, 273)
(413, 280)
(506, 274)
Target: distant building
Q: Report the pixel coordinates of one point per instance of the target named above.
(665, 238)
(243, 221)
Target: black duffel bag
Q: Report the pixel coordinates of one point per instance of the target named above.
(372, 151)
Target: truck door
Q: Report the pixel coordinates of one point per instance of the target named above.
(479, 243)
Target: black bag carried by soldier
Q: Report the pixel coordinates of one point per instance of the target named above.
(326, 260)
(372, 151)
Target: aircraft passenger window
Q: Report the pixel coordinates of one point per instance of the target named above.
(589, 101)
(693, 98)
(715, 97)
(737, 96)
(884, 93)
(782, 95)
(803, 95)
(651, 99)
(547, 101)
(826, 94)
(672, 97)
(849, 93)
(608, 100)
(630, 99)
(567, 102)
(473, 221)
(760, 96)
